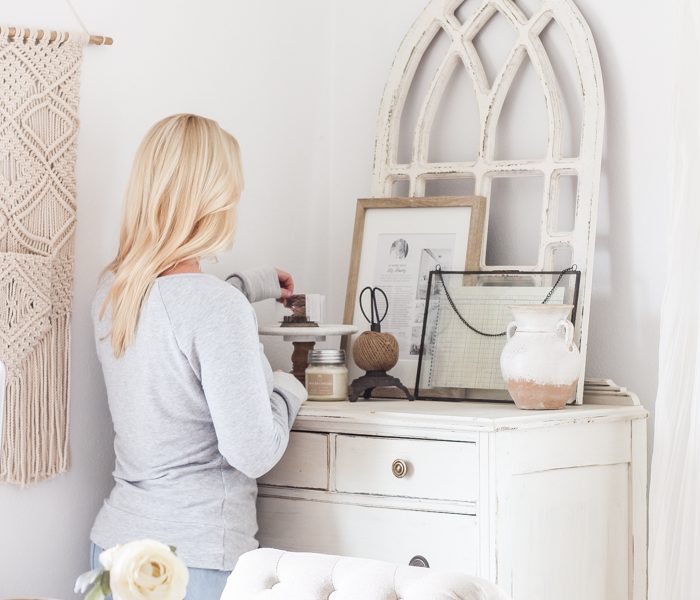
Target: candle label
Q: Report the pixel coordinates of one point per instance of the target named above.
(319, 384)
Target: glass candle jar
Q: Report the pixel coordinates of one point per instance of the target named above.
(327, 375)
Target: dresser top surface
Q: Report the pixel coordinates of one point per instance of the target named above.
(459, 415)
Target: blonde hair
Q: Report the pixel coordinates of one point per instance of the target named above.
(180, 204)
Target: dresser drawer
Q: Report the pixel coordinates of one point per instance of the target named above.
(404, 467)
(446, 541)
(304, 464)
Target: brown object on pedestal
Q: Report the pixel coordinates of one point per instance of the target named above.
(375, 351)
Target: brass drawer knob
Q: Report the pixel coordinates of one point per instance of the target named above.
(399, 468)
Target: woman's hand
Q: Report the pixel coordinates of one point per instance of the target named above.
(286, 284)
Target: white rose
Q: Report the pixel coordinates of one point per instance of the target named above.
(145, 570)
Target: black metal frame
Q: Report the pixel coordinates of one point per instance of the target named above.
(417, 390)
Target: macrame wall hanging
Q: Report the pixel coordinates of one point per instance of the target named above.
(40, 73)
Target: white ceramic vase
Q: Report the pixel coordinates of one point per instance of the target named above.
(540, 363)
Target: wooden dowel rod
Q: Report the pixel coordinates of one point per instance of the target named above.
(95, 40)
(100, 40)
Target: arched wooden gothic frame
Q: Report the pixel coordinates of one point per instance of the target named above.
(439, 15)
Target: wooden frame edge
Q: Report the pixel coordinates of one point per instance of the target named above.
(477, 224)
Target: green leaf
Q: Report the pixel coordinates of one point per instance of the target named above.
(104, 583)
(96, 592)
(173, 549)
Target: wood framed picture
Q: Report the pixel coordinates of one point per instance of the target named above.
(397, 242)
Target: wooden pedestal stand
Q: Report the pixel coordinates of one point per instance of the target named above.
(300, 359)
(304, 339)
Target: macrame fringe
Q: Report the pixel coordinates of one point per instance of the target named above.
(36, 416)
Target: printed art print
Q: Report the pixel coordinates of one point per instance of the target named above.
(403, 263)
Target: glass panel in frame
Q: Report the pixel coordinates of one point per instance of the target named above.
(464, 325)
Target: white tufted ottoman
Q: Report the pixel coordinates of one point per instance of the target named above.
(277, 575)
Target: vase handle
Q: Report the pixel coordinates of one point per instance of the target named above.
(510, 330)
(568, 328)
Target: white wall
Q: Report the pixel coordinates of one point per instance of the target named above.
(258, 68)
(299, 85)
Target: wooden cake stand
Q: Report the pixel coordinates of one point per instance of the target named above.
(304, 339)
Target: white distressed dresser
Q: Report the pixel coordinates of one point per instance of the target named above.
(549, 505)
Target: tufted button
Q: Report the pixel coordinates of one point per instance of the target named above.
(419, 561)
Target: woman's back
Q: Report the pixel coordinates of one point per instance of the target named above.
(198, 415)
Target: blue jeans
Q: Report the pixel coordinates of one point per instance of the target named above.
(204, 584)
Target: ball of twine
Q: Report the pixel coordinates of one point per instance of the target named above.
(375, 351)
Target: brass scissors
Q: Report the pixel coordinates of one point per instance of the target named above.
(374, 320)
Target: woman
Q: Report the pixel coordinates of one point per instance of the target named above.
(198, 414)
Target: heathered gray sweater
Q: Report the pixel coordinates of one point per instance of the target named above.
(198, 415)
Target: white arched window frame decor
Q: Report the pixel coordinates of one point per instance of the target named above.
(440, 16)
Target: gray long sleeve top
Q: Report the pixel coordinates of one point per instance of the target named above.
(198, 415)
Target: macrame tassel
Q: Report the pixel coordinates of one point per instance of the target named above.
(35, 428)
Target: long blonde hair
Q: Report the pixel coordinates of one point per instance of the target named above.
(180, 204)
